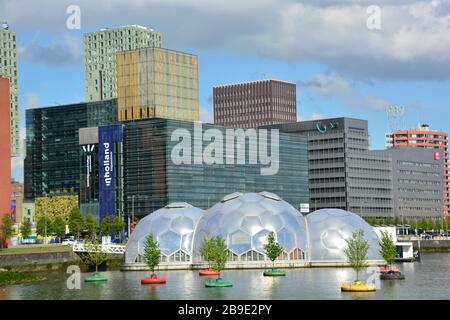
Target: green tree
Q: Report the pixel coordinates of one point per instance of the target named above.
(272, 248)
(152, 253)
(387, 248)
(75, 222)
(220, 253)
(356, 252)
(117, 225)
(25, 228)
(90, 226)
(59, 227)
(6, 229)
(207, 248)
(95, 256)
(106, 226)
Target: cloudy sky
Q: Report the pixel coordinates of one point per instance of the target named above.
(341, 67)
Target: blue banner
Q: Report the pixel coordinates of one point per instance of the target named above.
(108, 136)
(13, 211)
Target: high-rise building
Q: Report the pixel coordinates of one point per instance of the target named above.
(100, 50)
(52, 162)
(156, 82)
(5, 149)
(8, 69)
(424, 137)
(253, 104)
(343, 172)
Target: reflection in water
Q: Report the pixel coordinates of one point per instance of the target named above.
(429, 279)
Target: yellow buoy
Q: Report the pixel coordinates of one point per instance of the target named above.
(358, 286)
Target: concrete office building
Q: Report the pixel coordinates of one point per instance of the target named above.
(156, 82)
(5, 149)
(417, 182)
(52, 162)
(253, 104)
(425, 138)
(9, 69)
(100, 50)
(343, 172)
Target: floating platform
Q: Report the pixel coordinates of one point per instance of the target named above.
(218, 283)
(95, 278)
(393, 275)
(153, 279)
(358, 286)
(274, 273)
(209, 272)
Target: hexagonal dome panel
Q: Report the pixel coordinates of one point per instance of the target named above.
(246, 219)
(173, 226)
(328, 230)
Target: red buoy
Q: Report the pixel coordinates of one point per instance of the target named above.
(208, 272)
(153, 279)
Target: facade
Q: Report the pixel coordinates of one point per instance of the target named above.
(5, 149)
(52, 162)
(9, 69)
(244, 221)
(29, 211)
(17, 201)
(253, 104)
(343, 172)
(100, 50)
(425, 138)
(156, 82)
(417, 182)
(153, 177)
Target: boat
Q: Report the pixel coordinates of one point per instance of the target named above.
(153, 279)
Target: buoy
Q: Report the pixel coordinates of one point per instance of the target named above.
(219, 282)
(153, 279)
(358, 286)
(208, 272)
(96, 277)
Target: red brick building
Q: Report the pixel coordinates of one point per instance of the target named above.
(5, 149)
(253, 104)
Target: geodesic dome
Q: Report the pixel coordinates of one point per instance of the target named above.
(173, 227)
(328, 230)
(245, 221)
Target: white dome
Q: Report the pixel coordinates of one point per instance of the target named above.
(245, 221)
(329, 229)
(172, 226)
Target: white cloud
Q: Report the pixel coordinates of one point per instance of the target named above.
(33, 100)
(333, 86)
(206, 115)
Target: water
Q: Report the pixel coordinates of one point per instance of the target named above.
(429, 279)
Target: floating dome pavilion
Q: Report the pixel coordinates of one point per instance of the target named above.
(244, 221)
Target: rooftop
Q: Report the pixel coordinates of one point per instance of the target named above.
(253, 81)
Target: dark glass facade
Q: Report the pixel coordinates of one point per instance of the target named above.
(155, 180)
(52, 162)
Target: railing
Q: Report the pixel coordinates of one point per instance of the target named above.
(108, 248)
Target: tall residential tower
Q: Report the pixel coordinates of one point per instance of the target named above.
(100, 50)
(8, 69)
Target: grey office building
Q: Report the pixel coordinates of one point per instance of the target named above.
(418, 182)
(343, 172)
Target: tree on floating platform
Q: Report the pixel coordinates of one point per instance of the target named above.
(272, 249)
(152, 253)
(207, 250)
(387, 248)
(219, 253)
(94, 255)
(356, 252)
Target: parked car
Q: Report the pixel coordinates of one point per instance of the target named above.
(426, 236)
(446, 234)
(68, 242)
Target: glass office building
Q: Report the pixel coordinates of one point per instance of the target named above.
(153, 178)
(52, 162)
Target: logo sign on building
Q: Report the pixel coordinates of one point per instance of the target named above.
(108, 136)
(304, 207)
(437, 156)
(88, 150)
(325, 127)
(13, 210)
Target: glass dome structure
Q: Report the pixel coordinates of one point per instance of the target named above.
(328, 230)
(173, 227)
(245, 221)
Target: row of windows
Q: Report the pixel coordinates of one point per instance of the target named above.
(419, 191)
(419, 173)
(418, 164)
(420, 200)
(421, 182)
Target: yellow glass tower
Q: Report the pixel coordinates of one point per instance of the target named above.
(156, 82)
